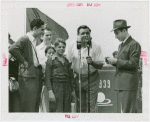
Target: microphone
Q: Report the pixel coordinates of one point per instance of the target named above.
(78, 45)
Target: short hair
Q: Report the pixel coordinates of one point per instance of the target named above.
(115, 53)
(47, 28)
(49, 47)
(59, 40)
(83, 27)
(36, 22)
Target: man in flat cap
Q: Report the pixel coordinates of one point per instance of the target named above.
(127, 62)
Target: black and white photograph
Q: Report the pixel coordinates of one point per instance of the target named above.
(75, 60)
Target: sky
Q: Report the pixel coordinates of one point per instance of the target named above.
(100, 20)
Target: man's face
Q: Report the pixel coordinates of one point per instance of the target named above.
(39, 31)
(47, 37)
(84, 33)
(115, 56)
(120, 35)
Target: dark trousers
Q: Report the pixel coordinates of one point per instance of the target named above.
(62, 92)
(14, 101)
(30, 92)
(94, 80)
(126, 101)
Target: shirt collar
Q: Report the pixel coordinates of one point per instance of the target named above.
(54, 56)
(32, 39)
(42, 45)
(125, 39)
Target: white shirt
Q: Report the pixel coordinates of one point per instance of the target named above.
(72, 55)
(41, 55)
(33, 41)
(125, 39)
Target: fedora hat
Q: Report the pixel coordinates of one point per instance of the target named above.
(119, 24)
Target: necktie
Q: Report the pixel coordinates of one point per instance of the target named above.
(121, 46)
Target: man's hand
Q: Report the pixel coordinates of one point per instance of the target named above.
(25, 64)
(89, 60)
(112, 60)
(52, 96)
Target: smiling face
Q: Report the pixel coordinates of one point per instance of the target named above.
(120, 35)
(60, 49)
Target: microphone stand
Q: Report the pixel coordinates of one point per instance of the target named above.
(79, 55)
(88, 46)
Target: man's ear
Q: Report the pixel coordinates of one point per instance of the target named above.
(124, 30)
(34, 28)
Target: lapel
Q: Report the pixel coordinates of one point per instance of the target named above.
(126, 44)
(29, 47)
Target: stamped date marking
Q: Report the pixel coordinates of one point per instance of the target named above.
(71, 116)
(4, 60)
(81, 4)
(144, 55)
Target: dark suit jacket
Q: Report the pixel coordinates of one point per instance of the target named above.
(126, 77)
(22, 51)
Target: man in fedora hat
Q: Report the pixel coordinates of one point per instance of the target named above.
(127, 62)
